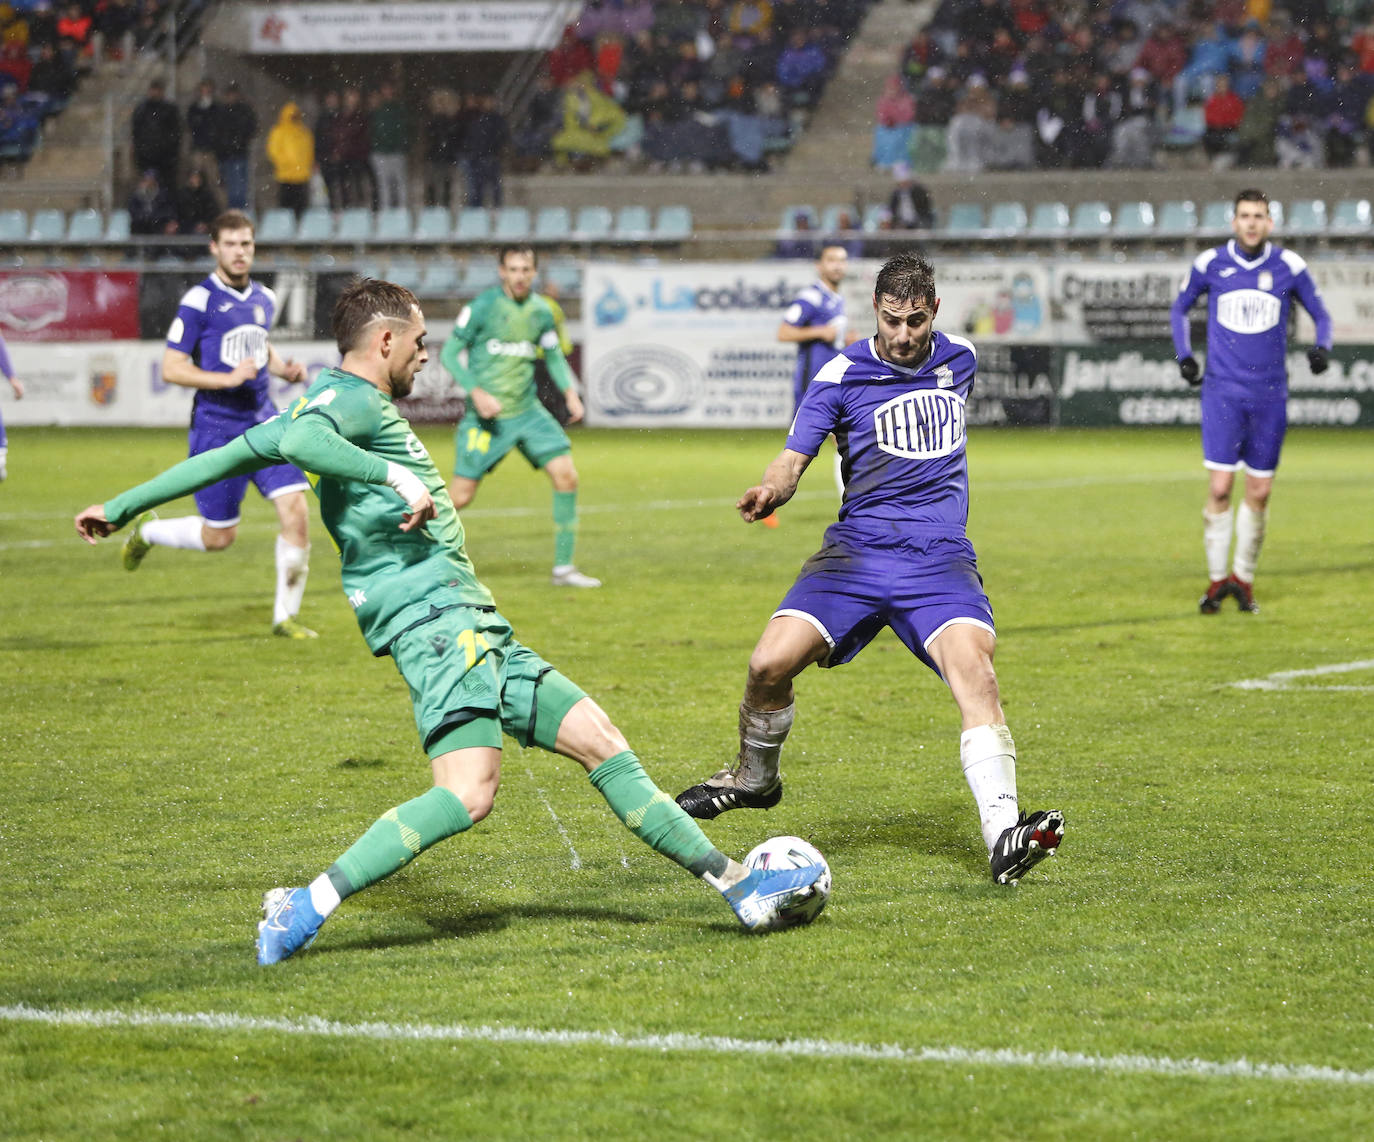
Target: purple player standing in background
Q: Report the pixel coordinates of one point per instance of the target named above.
(1250, 284)
(898, 557)
(7, 370)
(218, 345)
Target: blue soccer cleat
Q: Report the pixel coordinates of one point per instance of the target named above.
(761, 899)
(289, 923)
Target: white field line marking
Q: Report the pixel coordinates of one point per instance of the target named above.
(562, 832)
(1280, 679)
(707, 1044)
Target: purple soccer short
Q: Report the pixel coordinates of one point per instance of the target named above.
(1239, 430)
(219, 503)
(854, 586)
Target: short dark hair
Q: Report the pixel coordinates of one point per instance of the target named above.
(516, 248)
(905, 277)
(363, 301)
(1251, 195)
(230, 220)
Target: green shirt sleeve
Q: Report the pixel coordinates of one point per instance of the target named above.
(236, 458)
(460, 339)
(315, 443)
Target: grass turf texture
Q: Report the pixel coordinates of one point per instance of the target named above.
(164, 761)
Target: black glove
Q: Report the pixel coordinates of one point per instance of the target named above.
(1189, 371)
(1318, 359)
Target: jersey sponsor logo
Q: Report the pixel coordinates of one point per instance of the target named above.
(1266, 281)
(244, 341)
(415, 448)
(921, 425)
(524, 349)
(357, 598)
(1227, 272)
(944, 377)
(1248, 311)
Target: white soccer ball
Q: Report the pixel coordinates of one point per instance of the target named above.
(793, 852)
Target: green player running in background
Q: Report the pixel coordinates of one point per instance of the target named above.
(503, 331)
(407, 576)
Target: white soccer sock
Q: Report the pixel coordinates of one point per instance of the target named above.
(293, 564)
(988, 756)
(761, 734)
(4, 455)
(184, 532)
(1216, 542)
(324, 897)
(1249, 540)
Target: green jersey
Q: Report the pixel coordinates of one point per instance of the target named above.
(503, 337)
(342, 432)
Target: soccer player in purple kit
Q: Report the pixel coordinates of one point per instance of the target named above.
(1250, 284)
(898, 557)
(7, 371)
(218, 345)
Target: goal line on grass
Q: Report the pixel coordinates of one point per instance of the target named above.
(680, 1042)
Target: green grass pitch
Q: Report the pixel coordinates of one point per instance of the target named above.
(1196, 963)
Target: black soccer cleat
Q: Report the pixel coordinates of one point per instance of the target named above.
(719, 793)
(1212, 598)
(1243, 593)
(1025, 844)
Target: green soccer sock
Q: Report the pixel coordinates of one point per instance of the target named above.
(564, 527)
(398, 837)
(653, 816)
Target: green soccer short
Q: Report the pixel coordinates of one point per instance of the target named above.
(479, 445)
(470, 680)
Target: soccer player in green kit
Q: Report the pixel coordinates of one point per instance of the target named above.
(503, 332)
(417, 598)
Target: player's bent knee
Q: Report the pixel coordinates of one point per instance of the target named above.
(588, 736)
(218, 538)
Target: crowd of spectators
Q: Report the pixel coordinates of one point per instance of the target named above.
(695, 84)
(1027, 84)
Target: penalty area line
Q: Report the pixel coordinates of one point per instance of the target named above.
(681, 1042)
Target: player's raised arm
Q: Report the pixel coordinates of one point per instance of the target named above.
(779, 485)
(292, 371)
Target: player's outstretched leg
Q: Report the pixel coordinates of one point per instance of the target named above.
(1212, 598)
(759, 899)
(136, 547)
(1025, 844)
(289, 923)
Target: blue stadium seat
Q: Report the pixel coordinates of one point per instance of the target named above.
(593, 224)
(1177, 218)
(85, 226)
(317, 225)
(1276, 211)
(552, 224)
(14, 225)
(474, 225)
(512, 224)
(440, 279)
(47, 225)
(117, 226)
(434, 224)
(1216, 219)
(565, 276)
(1008, 219)
(674, 224)
(478, 275)
(355, 225)
(875, 214)
(1307, 217)
(963, 220)
(1049, 219)
(1135, 220)
(276, 225)
(831, 215)
(633, 224)
(1185, 129)
(1091, 220)
(404, 271)
(393, 225)
(1351, 216)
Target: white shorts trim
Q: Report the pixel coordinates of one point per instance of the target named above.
(221, 524)
(303, 487)
(1219, 467)
(812, 619)
(938, 631)
(1262, 473)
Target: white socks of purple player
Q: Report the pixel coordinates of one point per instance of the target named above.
(761, 734)
(1249, 539)
(184, 533)
(293, 564)
(988, 756)
(1216, 542)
